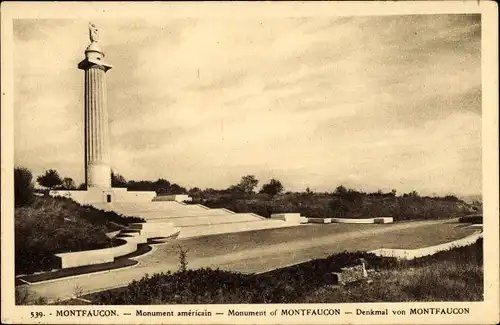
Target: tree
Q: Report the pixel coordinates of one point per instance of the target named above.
(272, 188)
(246, 184)
(50, 179)
(161, 186)
(23, 186)
(176, 189)
(118, 180)
(194, 190)
(413, 194)
(451, 197)
(340, 190)
(68, 183)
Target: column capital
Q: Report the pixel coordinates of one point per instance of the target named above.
(88, 63)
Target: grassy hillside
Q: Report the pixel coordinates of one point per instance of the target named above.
(49, 225)
(455, 275)
(348, 203)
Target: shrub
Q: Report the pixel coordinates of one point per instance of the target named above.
(476, 219)
(23, 296)
(272, 188)
(23, 186)
(182, 259)
(49, 179)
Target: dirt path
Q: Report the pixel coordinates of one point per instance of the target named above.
(255, 259)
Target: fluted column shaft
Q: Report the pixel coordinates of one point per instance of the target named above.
(97, 155)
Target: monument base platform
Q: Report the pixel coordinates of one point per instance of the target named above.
(105, 195)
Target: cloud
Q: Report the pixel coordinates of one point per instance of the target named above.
(371, 102)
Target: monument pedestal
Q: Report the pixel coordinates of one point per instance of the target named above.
(105, 195)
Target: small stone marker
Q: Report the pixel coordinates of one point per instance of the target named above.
(351, 274)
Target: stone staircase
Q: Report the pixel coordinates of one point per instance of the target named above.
(164, 218)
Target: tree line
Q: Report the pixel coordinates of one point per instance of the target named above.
(245, 188)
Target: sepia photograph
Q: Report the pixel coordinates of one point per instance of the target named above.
(198, 160)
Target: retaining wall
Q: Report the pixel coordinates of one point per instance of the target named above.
(383, 220)
(96, 256)
(319, 220)
(106, 255)
(408, 254)
(364, 220)
(177, 198)
(133, 196)
(287, 217)
(99, 195)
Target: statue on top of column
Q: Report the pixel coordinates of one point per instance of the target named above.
(93, 33)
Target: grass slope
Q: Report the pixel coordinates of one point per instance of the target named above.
(56, 225)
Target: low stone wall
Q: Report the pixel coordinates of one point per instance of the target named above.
(319, 220)
(383, 220)
(96, 256)
(408, 254)
(303, 220)
(131, 240)
(82, 197)
(287, 217)
(177, 198)
(122, 195)
(99, 195)
(350, 220)
(364, 220)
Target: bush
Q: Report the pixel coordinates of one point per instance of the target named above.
(23, 186)
(23, 296)
(50, 179)
(476, 219)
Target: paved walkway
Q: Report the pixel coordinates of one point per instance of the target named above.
(248, 260)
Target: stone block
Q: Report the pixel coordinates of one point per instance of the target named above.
(383, 220)
(352, 220)
(177, 198)
(319, 220)
(353, 274)
(287, 217)
(333, 278)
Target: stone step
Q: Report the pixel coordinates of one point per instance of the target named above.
(204, 230)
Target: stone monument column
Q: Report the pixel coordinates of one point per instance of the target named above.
(97, 149)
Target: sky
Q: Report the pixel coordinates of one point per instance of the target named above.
(387, 102)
